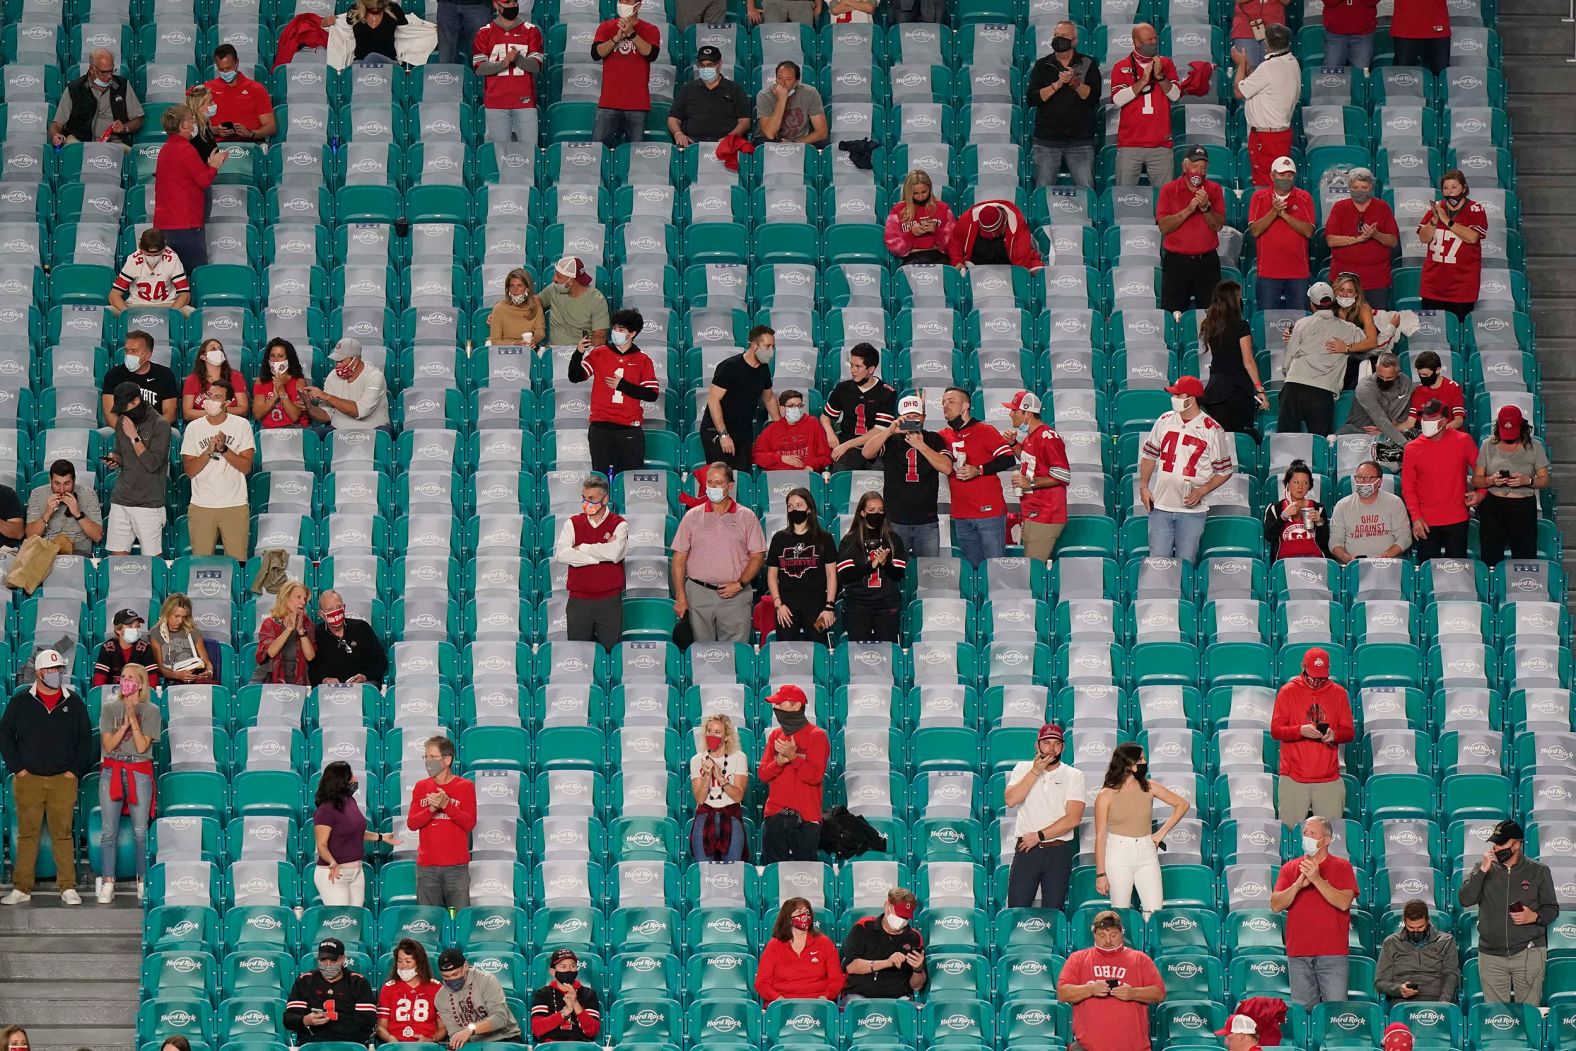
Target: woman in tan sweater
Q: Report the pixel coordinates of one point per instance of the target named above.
(1126, 843)
(517, 319)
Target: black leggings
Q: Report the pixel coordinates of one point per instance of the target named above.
(1460, 310)
(1507, 522)
(870, 625)
(805, 609)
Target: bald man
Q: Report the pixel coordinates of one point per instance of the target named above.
(348, 650)
(99, 106)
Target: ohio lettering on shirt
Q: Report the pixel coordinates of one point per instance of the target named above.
(1368, 525)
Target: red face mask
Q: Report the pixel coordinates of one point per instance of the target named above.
(713, 742)
(345, 369)
(801, 923)
(334, 617)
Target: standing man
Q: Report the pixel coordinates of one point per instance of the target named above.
(331, 1002)
(1064, 93)
(623, 379)
(458, 23)
(711, 107)
(1383, 403)
(1315, 374)
(99, 106)
(1419, 961)
(1049, 798)
(1269, 99)
(1361, 232)
(1436, 473)
(245, 113)
(884, 956)
(1110, 988)
(740, 383)
(979, 456)
(142, 456)
(793, 766)
(1194, 458)
(1311, 719)
(857, 406)
(59, 511)
(1316, 892)
(1143, 87)
(717, 551)
(592, 544)
(577, 314)
(1515, 900)
(1370, 523)
(791, 110)
(1349, 27)
(1421, 32)
(1281, 219)
(1190, 210)
(626, 46)
(354, 397)
(348, 650)
(507, 53)
(1041, 479)
(912, 466)
(46, 740)
(217, 453)
(442, 814)
(159, 386)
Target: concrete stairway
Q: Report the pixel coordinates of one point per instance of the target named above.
(69, 975)
(1542, 86)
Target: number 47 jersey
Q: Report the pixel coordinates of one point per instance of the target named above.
(1187, 453)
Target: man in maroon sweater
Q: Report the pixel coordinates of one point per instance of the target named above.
(1436, 471)
(1311, 720)
(442, 813)
(793, 767)
(592, 545)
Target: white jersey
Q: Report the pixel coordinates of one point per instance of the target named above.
(1187, 454)
(152, 280)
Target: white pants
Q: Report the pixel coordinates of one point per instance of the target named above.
(1133, 862)
(349, 889)
(143, 524)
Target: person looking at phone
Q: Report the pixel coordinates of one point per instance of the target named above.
(1512, 466)
(884, 956)
(1419, 961)
(243, 110)
(1515, 900)
(1316, 892)
(1110, 987)
(577, 313)
(1312, 719)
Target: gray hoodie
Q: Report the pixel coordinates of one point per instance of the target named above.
(143, 476)
(1377, 407)
(1433, 968)
(1308, 363)
(481, 997)
(1492, 892)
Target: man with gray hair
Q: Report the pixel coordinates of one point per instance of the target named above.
(592, 544)
(1316, 892)
(1269, 94)
(1315, 374)
(348, 650)
(717, 552)
(1384, 402)
(99, 106)
(1361, 232)
(1370, 523)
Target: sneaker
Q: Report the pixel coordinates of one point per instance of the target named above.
(105, 891)
(16, 897)
(69, 896)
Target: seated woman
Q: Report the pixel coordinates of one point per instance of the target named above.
(1295, 526)
(517, 319)
(177, 643)
(919, 227)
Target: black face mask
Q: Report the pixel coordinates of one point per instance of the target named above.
(1384, 384)
(956, 422)
(1141, 771)
(1504, 854)
(1427, 380)
(791, 722)
(138, 413)
(874, 520)
(567, 977)
(798, 516)
(508, 14)
(1417, 937)
(1061, 45)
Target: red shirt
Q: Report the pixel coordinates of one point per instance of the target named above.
(445, 834)
(1104, 1023)
(409, 1013)
(805, 439)
(1042, 455)
(1146, 120)
(1434, 477)
(514, 88)
(1420, 20)
(1303, 759)
(1194, 236)
(1453, 268)
(626, 73)
(198, 391)
(1282, 251)
(814, 974)
(1448, 392)
(1314, 927)
(977, 444)
(180, 182)
(276, 416)
(243, 101)
(1370, 260)
(1296, 540)
(1351, 18)
(604, 363)
(796, 785)
(1270, 12)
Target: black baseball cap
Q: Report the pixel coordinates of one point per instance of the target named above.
(451, 959)
(1506, 831)
(128, 616)
(1197, 153)
(560, 955)
(124, 394)
(330, 949)
(709, 53)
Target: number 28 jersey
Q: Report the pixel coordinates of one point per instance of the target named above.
(1453, 268)
(410, 1014)
(1187, 453)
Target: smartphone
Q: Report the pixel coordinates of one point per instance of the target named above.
(1517, 906)
(910, 426)
(1323, 728)
(1111, 983)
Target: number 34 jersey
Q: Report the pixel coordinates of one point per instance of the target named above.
(1187, 453)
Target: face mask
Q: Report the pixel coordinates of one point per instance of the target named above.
(1061, 45)
(1431, 427)
(801, 923)
(51, 678)
(1453, 200)
(229, 75)
(132, 362)
(713, 742)
(131, 635)
(567, 977)
(1049, 762)
(454, 984)
(1427, 378)
(101, 84)
(1195, 181)
(1022, 431)
(211, 110)
(1345, 302)
(1504, 854)
(765, 353)
(1384, 384)
(626, 10)
(1310, 846)
(1365, 489)
(1417, 937)
(213, 407)
(434, 766)
(1179, 403)
(591, 509)
(334, 617)
(707, 73)
(509, 14)
(345, 369)
(405, 974)
(798, 516)
(1109, 952)
(1141, 770)
(214, 357)
(791, 721)
(716, 494)
(1283, 186)
(955, 422)
(1362, 196)
(875, 519)
(329, 970)
(518, 300)
(897, 923)
(1148, 50)
(793, 414)
(279, 368)
(1314, 683)
(129, 687)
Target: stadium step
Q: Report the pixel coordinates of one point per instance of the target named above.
(69, 975)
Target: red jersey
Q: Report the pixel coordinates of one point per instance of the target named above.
(1304, 759)
(1194, 236)
(1042, 455)
(1434, 475)
(1453, 268)
(1420, 20)
(1281, 251)
(514, 88)
(1314, 927)
(613, 406)
(409, 1013)
(1369, 260)
(1351, 18)
(445, 835)
(626, 73)
(978, 443)
(243, 101)
(1105, 1022)
(1146, 116)
(1448, 391)
(796, 784)
(276, 416)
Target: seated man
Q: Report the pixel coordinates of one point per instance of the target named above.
(994, 233)
(59, 512)
(152, 276)
(711, 107)
(348, 650)
(793, 441)
(245, 111)
(331, 1002)
(129, 645)
(354, 397)
(883, 955)
(99, 106)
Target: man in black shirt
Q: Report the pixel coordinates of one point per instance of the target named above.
(710, 108)
(884, 956)
(856, 406)
(913, 460)
(159, 386)
(332, 1002)
(348, 650)
(727, 423)
(1064, 93)
(13, 518)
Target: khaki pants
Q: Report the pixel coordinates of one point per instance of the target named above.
(1039, 539)
(1297, 800)
(1517, 978)
(39, 799)
(206, 525)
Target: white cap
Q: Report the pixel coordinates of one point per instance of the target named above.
(911, 403)
(1320, 292)
(1283, 164)
(346, 348)
(46, 659)
(1243, 1024)
(569, 266)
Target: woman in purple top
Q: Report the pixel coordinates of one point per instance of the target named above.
(341, 832)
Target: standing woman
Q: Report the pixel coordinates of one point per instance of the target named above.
(798, 962)
(1452, 232)
(287, 641)
(340, 832)
(517, 319)
(919, 227)
(199, 99)
(870, 567)
(407, 1008)
(128, 727)
(181, 179)
(1126, 844)
(211, 364)
(1352, 305)
(801, 573)
(277, 396)
(177, 642)
(1295, 525)
(1234, 393)
(1512, 466)
(719, 776)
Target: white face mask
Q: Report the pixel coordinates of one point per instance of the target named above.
(793, 414)
(132, 362)
(406, 973)
(131, 634)
(619, 337)
(1310, 846)
(278, 368)
(1431, 427)
(214, 357)
(716, 494)
(1346, 302)
(764, 353)
(517, 300)
(213, 407)
(897, 923)
(1179, 403)
(626, 10)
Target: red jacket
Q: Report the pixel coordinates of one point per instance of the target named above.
(1020, 246)
(815, 974)
(445, 834)
(1434, 477)
(797, 785)
(180, 180)
(1304, 759)
(901, 243)
(302, 31)
(806, 440)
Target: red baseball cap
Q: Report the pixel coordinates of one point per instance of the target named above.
(1508, 424)
(1316, 662)
(904, 909)
(1051, 732)
(1397, 1037)
(1025, 401)
(1189, 386)
(992, 216)
(787, 694)
(1240, 1024)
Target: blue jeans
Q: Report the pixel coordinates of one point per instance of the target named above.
(109, 810)
(1317, 979)
(1282, 293)
(1048, 163)
(457, 28)
(1252, 47)
(698, 842)
(980, 538)
(1176, 534)
(1342, 50)
(614, 127)
(919, 541)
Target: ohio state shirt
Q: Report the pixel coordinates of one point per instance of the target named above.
(1453, 267)
(1146, 114)
(1042, 455)
(976, 444)
(514, 88)
(409, 1012)
(1104, 1023)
